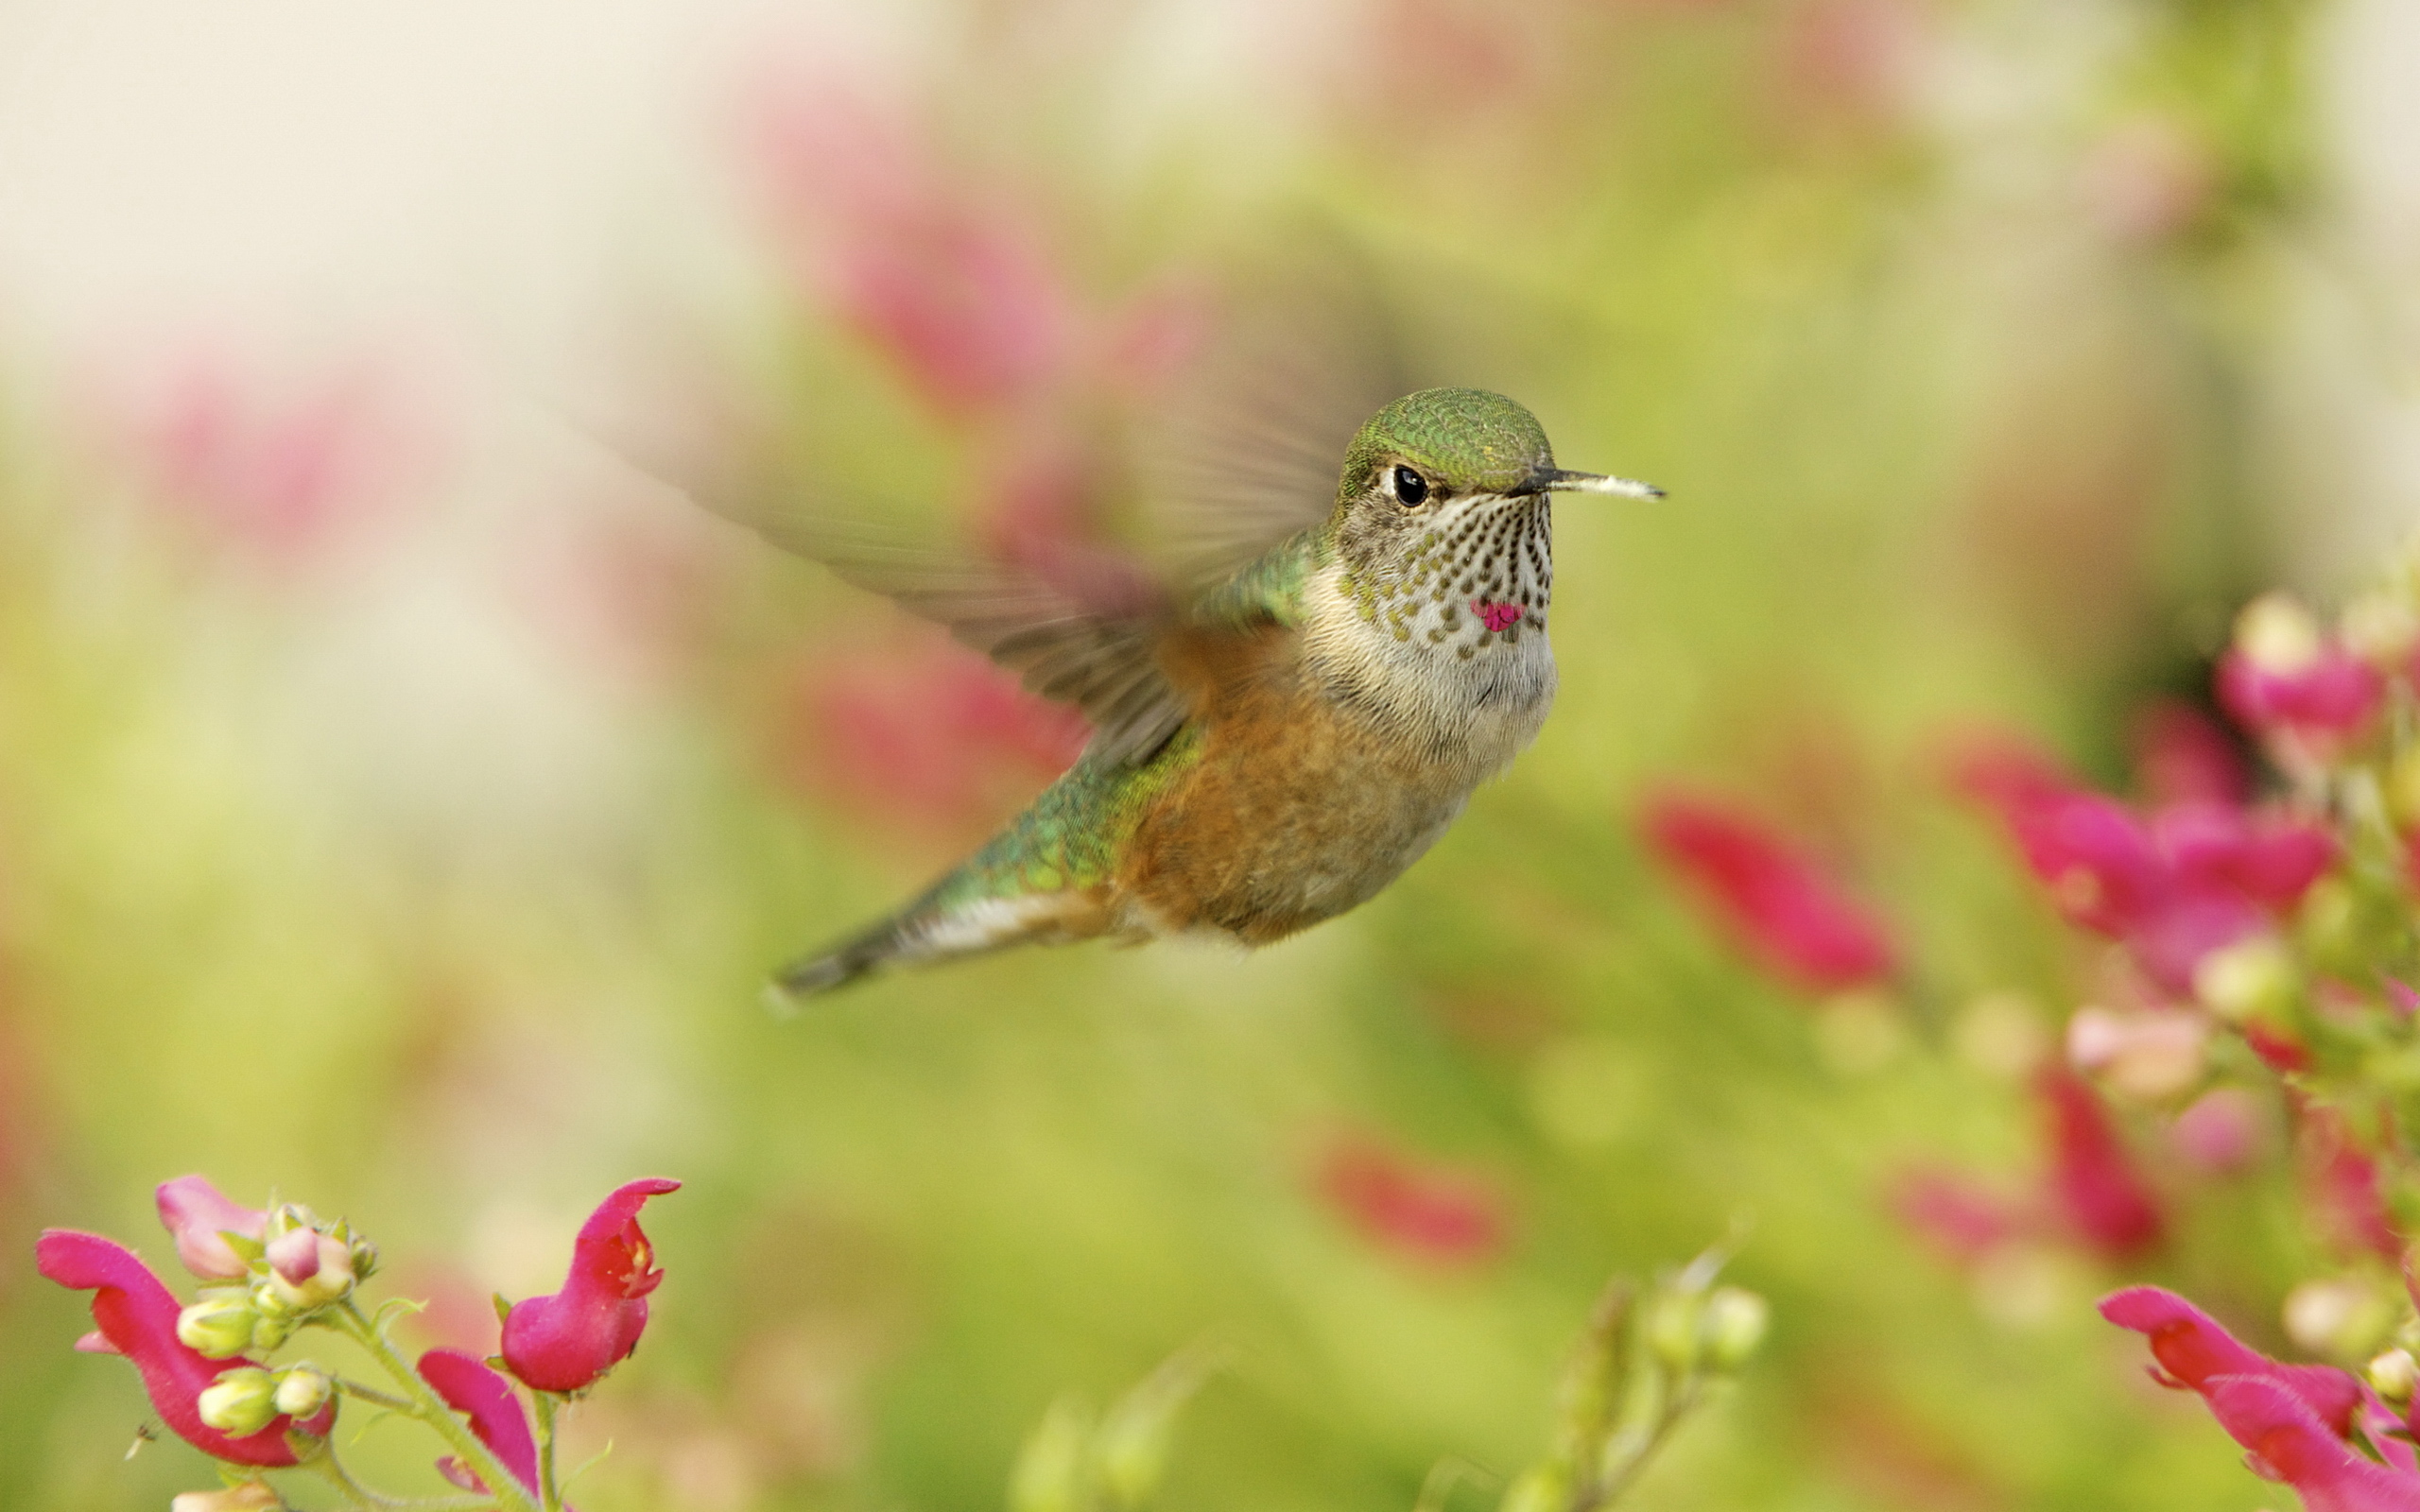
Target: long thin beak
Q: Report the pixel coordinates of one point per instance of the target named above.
(1563, 480)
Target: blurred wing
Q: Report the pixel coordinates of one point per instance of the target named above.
(1080, 628)
(1083, 629)
(1255, 437)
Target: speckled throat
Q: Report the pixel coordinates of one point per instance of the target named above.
(1478, 575)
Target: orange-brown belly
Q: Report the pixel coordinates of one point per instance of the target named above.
(1297, 810)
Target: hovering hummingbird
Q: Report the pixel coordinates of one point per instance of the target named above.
(1272, 749)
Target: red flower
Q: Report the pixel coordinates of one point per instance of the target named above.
(2093, 1179)
(2331, 697)
(196, 1215)
(2182, 756)
(2285, 1440)
(1954, 1213)
(137, 1317)
(2343, 1182)
(1419, 1210)
(1779, 907)
(563, 1342)
(2194, 1353)
(496, 1415)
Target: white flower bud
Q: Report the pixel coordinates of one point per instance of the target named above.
(1733, 1326)
(241, 1403)
(2277, 635)
(2238, 981)
(303, 1391)
(218, 1327)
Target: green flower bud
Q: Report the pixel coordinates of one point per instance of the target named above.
(1543, 1489)
(2246, 979)
(303, 1391)
(219, 1327)
(1672, 1329)
(1733, 1326)
(241, 1403)
(2392, 1374)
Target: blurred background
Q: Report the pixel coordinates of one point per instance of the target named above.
(401, 800)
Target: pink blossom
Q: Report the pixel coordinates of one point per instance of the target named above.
(497, 1417)
(565, 1341)
(2193, 878)
(1416, 1208)
(2182, 756)
(1772, 900)
(137, 1319)
(2330, 699)
(2343, 1184)
(197, 1215)
(2194, 1353)
(2284, 1439)
(2093, 1179)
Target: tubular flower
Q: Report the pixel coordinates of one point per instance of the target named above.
(496, 1416)
(2284, 1441)
(137, 1317)
(199, 1217)
(2283, 679)
(1421, 1210)
(563, 1342)
(1782, 910)
(2093, 1180)
(2195, 1354)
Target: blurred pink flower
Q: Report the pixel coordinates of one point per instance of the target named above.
(565, 1341)
(2333, 696)
(2193, 878)
(939, 740)
(957, 286)
(2182, 756)
(2221, 1131)
(1772, 900)
(1412, 1208)
(1848, 61)
(137, 1317)
(2194, 1353)
(1954, 1213)
(284, 473)
(197, 1216)
(2093, 1182)
(497, 1417)
(2343, 1184)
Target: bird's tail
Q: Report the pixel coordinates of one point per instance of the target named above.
(944, 926)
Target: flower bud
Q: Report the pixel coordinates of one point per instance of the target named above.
(2392, 1374)
(2246, 979)
(303, 1391)
(240, 1403)
(2276, 634)
(1541, 1488)
(219, 1327)
(2380, 627)
(252, 1496)
(1733, 1326)
(309, 1269)
(2341, 1317)
(1672, 1329)
(199, 1217)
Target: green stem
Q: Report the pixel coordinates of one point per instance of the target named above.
(504, 1488)
(377, 1397)
(550, 1496)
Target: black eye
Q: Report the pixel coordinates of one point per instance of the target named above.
(1410, 488)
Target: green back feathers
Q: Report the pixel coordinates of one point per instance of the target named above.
(1468, 439)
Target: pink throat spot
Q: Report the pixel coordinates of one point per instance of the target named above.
(1497, 616)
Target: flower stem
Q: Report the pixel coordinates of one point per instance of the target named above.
(377, 1397)
(504, 1488)
(550, 1496)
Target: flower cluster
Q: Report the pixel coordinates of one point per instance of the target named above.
(272, 1273)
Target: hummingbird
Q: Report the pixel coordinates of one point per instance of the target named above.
(1273, 746)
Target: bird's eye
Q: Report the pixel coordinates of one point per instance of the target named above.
(1410, 488)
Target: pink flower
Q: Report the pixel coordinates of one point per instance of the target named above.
(2221, 1132)
(137, 1319)
(2093, 1180)
(563, 1342)
(497, 1419)
(2194, 1352)
(1773, 900)
(2334, 695)
(2194, 878)
(1954, 1213)
(1419, 1210)
(2285, 1440)
(2182, 756)
(197, 1214)
(2343, 1184)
